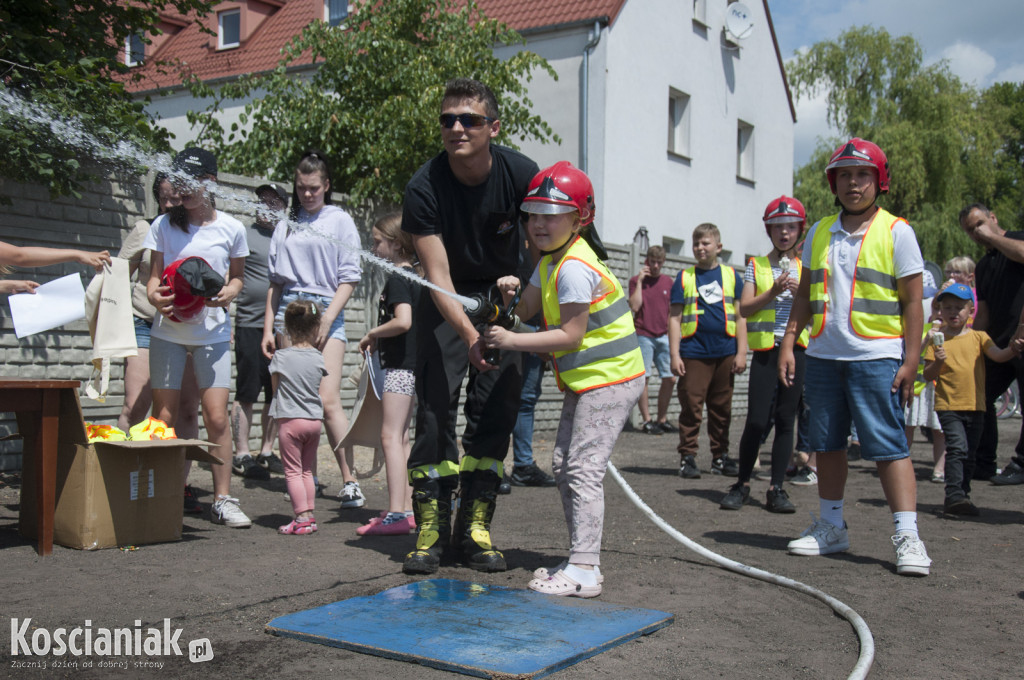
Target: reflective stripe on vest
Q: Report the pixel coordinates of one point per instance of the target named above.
(875, 310)
(761, 324)
(688, 321)
(609, 352)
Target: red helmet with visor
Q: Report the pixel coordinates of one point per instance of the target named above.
(561, 189)
(856, 152)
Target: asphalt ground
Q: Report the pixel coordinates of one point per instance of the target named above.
(226, 584)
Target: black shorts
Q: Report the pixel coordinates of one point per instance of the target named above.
(253, 369)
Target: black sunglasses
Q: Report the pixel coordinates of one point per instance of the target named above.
(466, 120)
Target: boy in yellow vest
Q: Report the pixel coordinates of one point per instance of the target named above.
(861, 290)
(707, 341)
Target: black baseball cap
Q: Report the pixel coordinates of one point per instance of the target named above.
(195, 162)
(277, 189)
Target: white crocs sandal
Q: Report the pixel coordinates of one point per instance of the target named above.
(564, 586)
(543, 572)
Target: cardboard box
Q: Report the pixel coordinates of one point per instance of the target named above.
(112, 494)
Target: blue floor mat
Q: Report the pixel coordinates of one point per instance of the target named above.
(472, 628)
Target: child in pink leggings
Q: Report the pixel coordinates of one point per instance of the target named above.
(295, 372)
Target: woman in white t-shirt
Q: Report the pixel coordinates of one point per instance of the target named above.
(197, 229)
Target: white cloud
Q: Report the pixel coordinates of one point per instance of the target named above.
(1011, 74)
(969, 62)
(811, 125)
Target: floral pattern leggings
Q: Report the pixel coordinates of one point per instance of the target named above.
(589, 426)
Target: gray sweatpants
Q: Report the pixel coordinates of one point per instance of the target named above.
(589, 425)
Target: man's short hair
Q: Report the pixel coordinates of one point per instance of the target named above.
(706, 229)
(974, 206)
(467, 88)
(656, 253)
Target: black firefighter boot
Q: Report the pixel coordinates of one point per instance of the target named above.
(432, 507)
(473, 522)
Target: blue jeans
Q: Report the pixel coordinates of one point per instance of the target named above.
(522, 433)
(842, 393)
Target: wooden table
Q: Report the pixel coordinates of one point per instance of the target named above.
(37, 403)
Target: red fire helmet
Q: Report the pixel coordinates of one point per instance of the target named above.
(561, 189)
(192, 280)
(859, 151)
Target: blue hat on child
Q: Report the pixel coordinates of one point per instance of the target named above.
(957, 290)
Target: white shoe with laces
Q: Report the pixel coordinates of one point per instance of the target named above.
(821, 538)
(226, 511)
(911, 557)
(351, 496)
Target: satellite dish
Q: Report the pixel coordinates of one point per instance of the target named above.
(739, 22)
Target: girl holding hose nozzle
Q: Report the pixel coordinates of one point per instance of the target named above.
(588, 329)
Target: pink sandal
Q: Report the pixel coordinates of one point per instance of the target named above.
(564, 586)
(298, 527)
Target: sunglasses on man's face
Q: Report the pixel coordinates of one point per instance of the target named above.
(466, 120)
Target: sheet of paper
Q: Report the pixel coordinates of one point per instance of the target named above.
(54, 304)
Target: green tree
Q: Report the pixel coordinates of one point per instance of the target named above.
(67, 57)
(372, 102)
(1006, 100)
(941, 141)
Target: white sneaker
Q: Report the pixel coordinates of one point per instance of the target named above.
(911, 557)
(821, 538)
(226, 511)
(351, 495)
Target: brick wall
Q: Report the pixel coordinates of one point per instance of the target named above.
(103, 215)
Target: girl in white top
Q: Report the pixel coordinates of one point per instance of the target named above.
(197, 228)
(318, 261)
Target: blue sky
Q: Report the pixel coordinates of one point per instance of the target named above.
(983, 41)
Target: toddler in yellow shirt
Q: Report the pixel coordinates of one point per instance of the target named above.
(956, 362)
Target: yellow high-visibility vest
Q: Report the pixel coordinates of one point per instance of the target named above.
(875, 310)
(609, 352)
(688, 321)
(761, 324)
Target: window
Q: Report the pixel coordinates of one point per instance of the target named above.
(745, 151)
(678, 123)
(335, 11)
(134, 50)
(229, 29)
(700, 12)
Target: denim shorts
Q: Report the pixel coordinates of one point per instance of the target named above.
(655, 353)
(212, 364)
(841, 392)
(142, 327)
(337, 328)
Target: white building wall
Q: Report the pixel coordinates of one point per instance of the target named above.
(655, 45)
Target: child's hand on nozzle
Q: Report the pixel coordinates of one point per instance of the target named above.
(495, 336)
(940, 353)
(508, 285)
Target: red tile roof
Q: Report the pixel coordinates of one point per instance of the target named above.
(197, 51)
(198, 54)
(526, 14)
